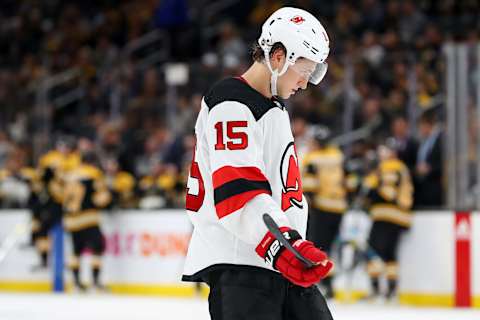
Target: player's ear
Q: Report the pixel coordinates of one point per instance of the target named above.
(278, 57)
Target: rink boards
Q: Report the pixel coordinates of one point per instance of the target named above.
(146, 249)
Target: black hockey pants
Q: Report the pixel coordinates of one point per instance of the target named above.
(257, 294)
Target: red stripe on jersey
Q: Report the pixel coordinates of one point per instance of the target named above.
(236, 202)
(229, 173)
(242, 79)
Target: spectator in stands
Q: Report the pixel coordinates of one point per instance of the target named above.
(428, 174)
(396, 101)
(186, 114)
(372, 51)
(121, 184)
(5, 148)
(405, 145)
(155, 147)
(149, 101)
(231, 46)
(373, 117)
(412, 21)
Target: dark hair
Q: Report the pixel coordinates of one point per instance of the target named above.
(428, 118)
(90, 157)
(400, 116)
(257, 52)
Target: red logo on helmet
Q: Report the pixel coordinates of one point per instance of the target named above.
(297, 20)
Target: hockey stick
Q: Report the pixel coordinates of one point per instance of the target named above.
(275, 230)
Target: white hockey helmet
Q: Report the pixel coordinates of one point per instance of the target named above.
(302, 35)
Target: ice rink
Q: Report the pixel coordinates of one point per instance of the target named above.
(109, 307)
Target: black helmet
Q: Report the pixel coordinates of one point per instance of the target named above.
(66, 142)
(90, 157)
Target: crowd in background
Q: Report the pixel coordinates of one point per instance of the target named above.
(385, 63)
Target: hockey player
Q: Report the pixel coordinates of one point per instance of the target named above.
(324, 186)
(85, 193)
(34, 204)
(245, 165)
(391, 200)
(52, 169)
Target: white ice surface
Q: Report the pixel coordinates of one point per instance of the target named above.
(109, 307)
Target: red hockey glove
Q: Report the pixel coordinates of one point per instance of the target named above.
(276, 255)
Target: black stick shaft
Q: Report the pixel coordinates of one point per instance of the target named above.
(275, 230)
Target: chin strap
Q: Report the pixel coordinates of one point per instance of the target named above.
(274, 73)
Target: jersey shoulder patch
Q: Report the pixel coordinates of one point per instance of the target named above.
(234, 89)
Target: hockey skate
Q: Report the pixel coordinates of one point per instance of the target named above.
(99, 288)
(79, 287)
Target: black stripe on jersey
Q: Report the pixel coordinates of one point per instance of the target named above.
(233, 89)
(237, 187)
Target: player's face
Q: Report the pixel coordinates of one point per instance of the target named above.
(296, 77)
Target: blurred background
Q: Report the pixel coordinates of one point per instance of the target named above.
(116, 86)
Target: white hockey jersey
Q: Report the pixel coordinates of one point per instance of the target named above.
(244, 165)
